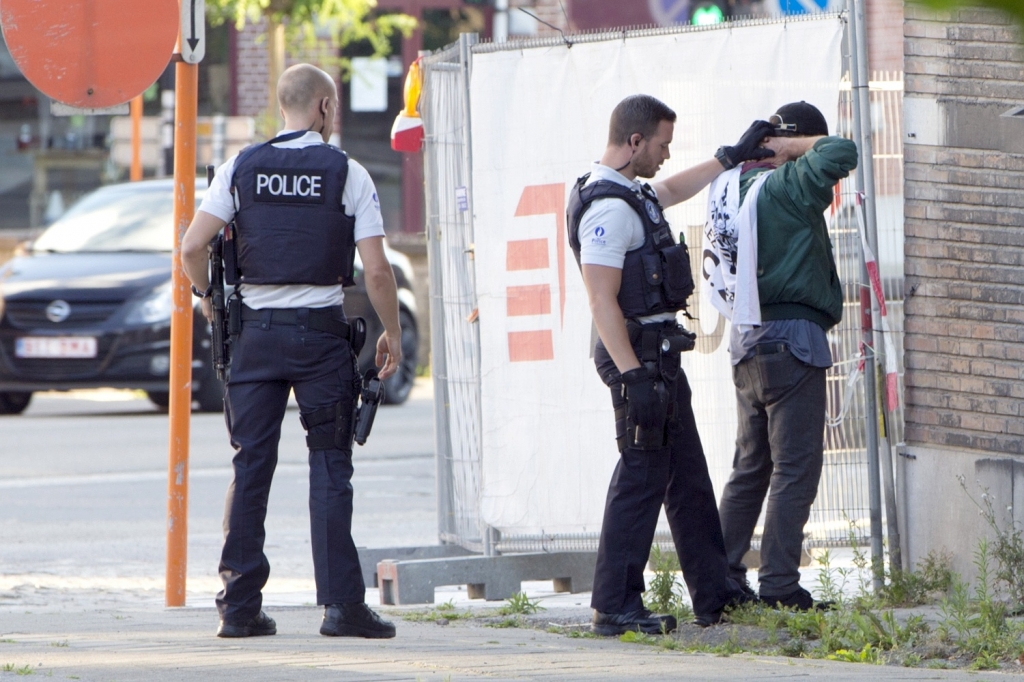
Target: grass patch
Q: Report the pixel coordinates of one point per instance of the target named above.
(520, 605)
(13, 668)
(512, 622)
(974, 630)
(441, 614)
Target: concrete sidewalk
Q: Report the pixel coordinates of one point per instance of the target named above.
(119, 637)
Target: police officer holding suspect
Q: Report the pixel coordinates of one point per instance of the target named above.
(301, 208)
(637, 278)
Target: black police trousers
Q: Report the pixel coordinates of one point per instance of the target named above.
(267, 361)
(676, 476)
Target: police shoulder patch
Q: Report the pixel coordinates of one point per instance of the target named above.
(289, 186)
(653, 212)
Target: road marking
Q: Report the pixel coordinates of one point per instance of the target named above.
(210, 472)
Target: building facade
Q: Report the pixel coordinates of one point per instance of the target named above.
(964, 226)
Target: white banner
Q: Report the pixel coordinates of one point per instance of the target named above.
(540, 117)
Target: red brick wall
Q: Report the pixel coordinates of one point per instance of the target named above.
(885, 35)
(964, 213)
(252, 69)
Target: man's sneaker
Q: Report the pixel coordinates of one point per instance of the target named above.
(747, 594)
(355, 620)
(800, 600)
(742, 594)
(257, 626)
(706, 620)
(610, 624)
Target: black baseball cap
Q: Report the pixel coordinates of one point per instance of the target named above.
(799, 118)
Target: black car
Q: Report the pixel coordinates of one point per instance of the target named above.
(89, 305)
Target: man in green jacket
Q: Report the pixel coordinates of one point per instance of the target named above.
(779, 367)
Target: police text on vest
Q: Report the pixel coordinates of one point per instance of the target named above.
(289, 186)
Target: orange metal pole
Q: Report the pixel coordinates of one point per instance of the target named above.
(136, 170)
(185, 111)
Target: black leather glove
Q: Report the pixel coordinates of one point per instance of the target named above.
(644, 406)
(747, 149)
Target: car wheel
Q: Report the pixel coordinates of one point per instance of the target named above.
(14, 403)
(398, 386)
(210, 395)
(161, 399)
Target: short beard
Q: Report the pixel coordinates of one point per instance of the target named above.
(647, 172)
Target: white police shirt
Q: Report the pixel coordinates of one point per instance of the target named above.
(360, 199)
(611, 227)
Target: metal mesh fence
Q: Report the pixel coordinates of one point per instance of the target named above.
(455, 338)
(841, 510)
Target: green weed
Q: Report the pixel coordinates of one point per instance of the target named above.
(912, 588)
(868, 654)
(519, 604)
(581, 633)
(911, 661)
(513, 622)
(1007, 547)
(441, 613)
(665, 594)
(13, 668)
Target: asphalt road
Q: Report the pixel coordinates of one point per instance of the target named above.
(83, 501)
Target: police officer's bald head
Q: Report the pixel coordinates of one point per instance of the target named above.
(302, 87)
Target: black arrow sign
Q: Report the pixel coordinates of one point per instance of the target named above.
(193, 41)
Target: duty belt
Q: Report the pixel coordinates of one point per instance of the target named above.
(317, 319)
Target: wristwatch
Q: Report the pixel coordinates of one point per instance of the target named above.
(723, 158)
(202, 294)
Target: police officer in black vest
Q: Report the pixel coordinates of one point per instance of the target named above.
(301, 209)
(638, 278)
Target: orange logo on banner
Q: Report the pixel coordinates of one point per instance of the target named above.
(90, 53)
(532, 254)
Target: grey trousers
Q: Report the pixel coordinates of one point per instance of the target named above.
(779, 448)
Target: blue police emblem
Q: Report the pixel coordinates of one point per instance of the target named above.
(599, 231)
(653, 212)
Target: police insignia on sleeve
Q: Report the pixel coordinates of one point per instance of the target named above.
(653, 212)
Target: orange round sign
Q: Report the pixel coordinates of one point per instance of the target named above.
(90, 53)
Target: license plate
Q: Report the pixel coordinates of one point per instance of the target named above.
(55, 347)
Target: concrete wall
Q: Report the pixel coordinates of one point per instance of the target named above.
(964, 208)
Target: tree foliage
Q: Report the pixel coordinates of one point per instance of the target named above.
(344, 21)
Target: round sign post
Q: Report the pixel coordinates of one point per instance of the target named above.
(90, 54)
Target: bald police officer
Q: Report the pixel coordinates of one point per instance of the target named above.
(301, 209)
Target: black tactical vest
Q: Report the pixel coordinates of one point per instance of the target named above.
(291, 226)
(656, 277)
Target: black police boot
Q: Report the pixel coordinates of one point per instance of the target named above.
(257, 626)
(642, 620)
(355, 620)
